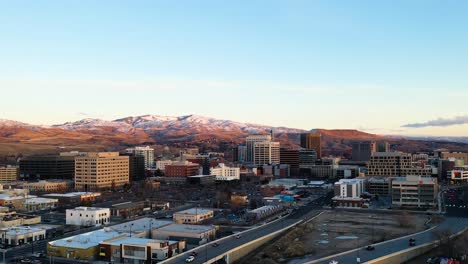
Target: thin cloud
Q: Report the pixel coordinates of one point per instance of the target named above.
(441, 122)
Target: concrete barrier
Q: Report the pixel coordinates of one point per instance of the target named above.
(410, 253)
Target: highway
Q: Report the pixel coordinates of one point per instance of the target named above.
(208, 251)
(386, 248)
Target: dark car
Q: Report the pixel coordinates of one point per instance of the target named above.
(194, 253)
(370, 248)
(412, 242)
(215, 244)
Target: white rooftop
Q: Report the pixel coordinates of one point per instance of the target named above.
(195, 211)
(142, 224)
(71, 194)
(40, 200)
(197, 229)
(84, 208)
(135, 241)
(87, 240)
(21, 230)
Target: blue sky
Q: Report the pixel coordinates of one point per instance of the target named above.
(370, 65)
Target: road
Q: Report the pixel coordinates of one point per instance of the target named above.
(208, 251)
(452, 223)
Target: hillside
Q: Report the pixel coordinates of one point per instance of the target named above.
(18, 138)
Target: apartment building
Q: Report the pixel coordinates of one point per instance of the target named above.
(390, 164)
(146, 152)
(9, 174)
(101, 170)
(414, 191)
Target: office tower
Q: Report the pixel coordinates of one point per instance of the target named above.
(146, 152)
(9, 174)
(307, 157)
(383, 146)
(250, 142)
(362, 150)
(312, 141)
(266, 153)
(136, 167)
(101, 170)
(241, 153)
(291, 158)
(48, 167)
(390, 164)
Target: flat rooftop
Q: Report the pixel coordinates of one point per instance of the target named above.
(181, 228)
(142, 224)
(71, 194)
(21, 230)
(135, 241)
(87, 240)
(195, 211)
(40, 200)
(83, 208)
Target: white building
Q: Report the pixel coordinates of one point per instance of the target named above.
(146, 152)
(224, 173)
(459, 174)
(88, 216)
(192, 215)
(161, 164)
(266, 153)
(21, 235)
(349, 188)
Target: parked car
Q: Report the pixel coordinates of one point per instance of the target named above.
(190, 259)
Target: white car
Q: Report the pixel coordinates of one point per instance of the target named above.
(190, 259)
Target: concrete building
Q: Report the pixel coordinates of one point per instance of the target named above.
(224, 173)
(307, 157)
(181, 169)
(455, 155)
(362, 150)
(250, 143)
(348, 193)
(161, 164)
(379, 185)
(266, 153)
(47, 167)
(9, 174)
(318, 171)
(390, 164)
(49, 186)
(383, 146)
(12, 219)
(39, 204)
(101, 170)
(138, 250)
(15, 236)
(459, 175)
(192, 216)
(426, 171)
(146, 152)
(88, 216)
(347, 171)
(193, 234)
(312, 141)
(414, 191)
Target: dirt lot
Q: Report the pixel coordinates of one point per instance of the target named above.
(334, 232)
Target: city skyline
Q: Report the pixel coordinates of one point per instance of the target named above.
(296, 64)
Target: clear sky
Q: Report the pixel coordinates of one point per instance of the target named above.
(370, 65)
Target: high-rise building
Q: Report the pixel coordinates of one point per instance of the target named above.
(99, 170)
(136, 167)
(390, 164)
(266, 153)
(456, 155)
(48, 167)
(312, 141)
(307, 157)
(291, 158)
(250, 142)
(146, 152)
(241, 153)
(362, 150)
(9, 174)
(383, 146)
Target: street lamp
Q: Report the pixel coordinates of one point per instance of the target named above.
(131, 229)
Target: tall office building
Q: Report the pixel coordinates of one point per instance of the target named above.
(250, 142)
(383, 146)
(100, 170)
(9, 174)
(241, 153)
(362, 150)
(312, 141)
(390, 164)
(146, 152)
(266, 153)
(48, 167)
(291, 158)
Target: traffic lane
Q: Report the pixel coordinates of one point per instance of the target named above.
(455, 224)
